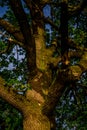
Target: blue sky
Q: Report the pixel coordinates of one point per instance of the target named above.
(2, 10)
(46, 11)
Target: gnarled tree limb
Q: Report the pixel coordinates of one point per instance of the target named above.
(56, 90)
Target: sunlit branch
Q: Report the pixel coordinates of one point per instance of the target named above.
(20, 102)
(10, 96)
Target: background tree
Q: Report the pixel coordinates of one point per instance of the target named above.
(43, 64)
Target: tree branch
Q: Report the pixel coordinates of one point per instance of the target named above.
(55, 92)
(13, 41)
(77, 9)
(20, 102)
(26, 31)
(10, 96)
(49, 2)
(22, 20)
(28, 3)
(49, 21)
(10, 42)
(58, 85)
(46, 20)
(44, 2)
(72, 44)
(12, 30)
(24, 27)
(83, 61)
(75, 54)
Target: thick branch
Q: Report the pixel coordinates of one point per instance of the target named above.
(64, 32)
(55, 92)
(58, 86)
(46, 20)
(26, 31)
(20, 102)
(12, 30)
(11, 97)
(22, 20)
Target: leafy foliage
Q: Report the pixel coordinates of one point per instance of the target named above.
(10, 118)
(71, 111)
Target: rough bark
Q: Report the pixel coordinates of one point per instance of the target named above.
(36, 122)
(29, 106)
(38, 104)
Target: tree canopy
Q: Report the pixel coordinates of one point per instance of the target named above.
(43, 65)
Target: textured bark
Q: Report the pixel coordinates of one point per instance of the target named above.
(38, 104)
(36, 122)
(30, 106)
(40, 49)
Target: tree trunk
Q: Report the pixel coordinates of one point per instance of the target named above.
(36, 122)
